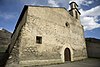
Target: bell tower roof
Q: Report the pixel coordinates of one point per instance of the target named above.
(73, 3)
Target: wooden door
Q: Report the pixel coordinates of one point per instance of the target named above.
(67, 54)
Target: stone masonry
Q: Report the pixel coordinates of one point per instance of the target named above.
(43, 33)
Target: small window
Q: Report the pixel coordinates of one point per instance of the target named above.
(39, 39)
(67, 25)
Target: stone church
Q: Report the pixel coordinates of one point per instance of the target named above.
(47, 35)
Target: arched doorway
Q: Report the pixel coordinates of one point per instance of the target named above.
(67, 54)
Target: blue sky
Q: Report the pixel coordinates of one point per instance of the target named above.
(90, 13)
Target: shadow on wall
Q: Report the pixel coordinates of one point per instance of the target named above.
(5, 37)
(3, 59)
(93, 47)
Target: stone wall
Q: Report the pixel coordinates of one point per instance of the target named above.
(5, 37)
(50, 24)
(93, 47)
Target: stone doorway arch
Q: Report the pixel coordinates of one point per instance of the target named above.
(67, 54)
(63, 53)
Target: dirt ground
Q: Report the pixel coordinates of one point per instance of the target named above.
(90, 62)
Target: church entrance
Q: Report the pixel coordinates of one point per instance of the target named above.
(67, 54)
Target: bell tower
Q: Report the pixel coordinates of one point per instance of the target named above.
(74, 10)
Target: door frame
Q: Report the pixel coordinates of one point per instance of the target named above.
(63, 50)
(67, 54)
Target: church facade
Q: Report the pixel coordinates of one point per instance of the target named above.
(47, 35)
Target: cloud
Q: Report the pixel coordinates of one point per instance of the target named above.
(83, 2)
(89, 18)
(89, 23)
(53, 3)
(28, 2)
(87, 3)
(58, 3)
(7, 16)
(1, 28)
(92, 12)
